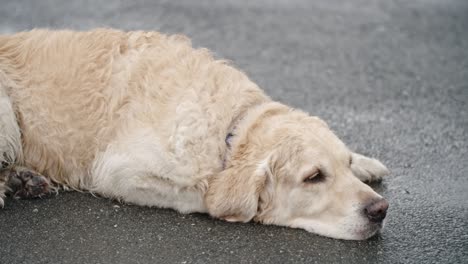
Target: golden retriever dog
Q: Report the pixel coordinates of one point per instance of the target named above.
(144, 118)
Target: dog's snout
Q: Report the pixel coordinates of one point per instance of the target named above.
(376, 210)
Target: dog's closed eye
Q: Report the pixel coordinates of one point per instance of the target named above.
(315, 177)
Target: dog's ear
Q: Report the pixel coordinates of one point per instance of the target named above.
(367, 169)
(234, 193)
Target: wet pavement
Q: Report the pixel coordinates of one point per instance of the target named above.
(390, 77)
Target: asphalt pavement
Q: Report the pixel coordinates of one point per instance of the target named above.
(389, 76)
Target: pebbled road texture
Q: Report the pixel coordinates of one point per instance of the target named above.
(389, 76)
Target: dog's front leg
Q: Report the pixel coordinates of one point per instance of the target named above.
(367, 169)
(135, 169)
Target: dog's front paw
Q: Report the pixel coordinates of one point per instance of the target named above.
(368, 169)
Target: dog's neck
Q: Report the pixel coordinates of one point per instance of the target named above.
(234, 127)
(242, 122)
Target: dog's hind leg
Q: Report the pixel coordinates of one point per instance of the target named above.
(16, 180)
(10, 140)
(25, 183)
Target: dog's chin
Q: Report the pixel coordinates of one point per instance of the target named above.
(360, 233)
(367, 232)
(364, 230)
(347, 232)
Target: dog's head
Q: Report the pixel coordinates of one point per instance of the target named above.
(287, 168)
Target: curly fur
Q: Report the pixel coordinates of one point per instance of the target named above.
(142, 117)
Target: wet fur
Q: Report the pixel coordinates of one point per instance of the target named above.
(142, 117)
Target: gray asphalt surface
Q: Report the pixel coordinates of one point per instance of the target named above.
(389, 76)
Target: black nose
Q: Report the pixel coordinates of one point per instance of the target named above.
(376, 210)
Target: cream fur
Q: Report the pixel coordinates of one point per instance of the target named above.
(142, 117)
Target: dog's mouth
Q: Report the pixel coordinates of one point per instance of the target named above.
(369, 230)
(361, 231)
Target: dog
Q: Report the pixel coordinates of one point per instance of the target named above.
(145, 118)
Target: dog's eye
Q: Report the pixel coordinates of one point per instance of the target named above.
(315, 178)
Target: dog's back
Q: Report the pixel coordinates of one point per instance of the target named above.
(61, 89)
(74, 92)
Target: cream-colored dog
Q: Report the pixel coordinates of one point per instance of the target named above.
(144, 118)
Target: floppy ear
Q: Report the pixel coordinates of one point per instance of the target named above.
(367, 169)
(234, 193)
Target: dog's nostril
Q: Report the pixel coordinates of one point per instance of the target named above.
(376, 211)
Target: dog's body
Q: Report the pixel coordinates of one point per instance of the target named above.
(145, 118)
